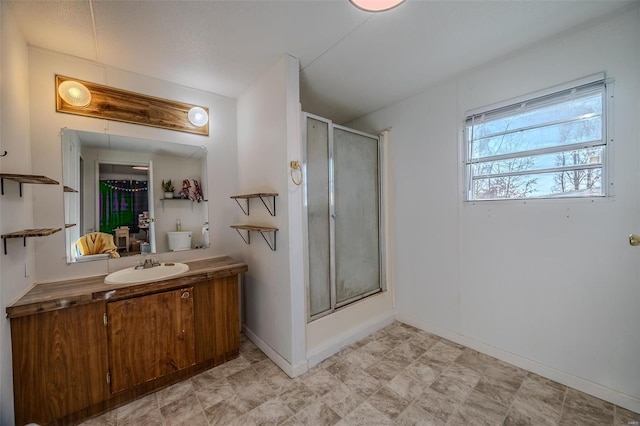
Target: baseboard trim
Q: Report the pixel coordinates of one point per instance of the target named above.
(290, 369)
(316, 355)
(623, 400)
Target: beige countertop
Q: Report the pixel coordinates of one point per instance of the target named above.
(49, 296)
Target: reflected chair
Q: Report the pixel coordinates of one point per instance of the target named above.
(122, 232)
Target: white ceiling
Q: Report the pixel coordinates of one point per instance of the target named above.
(352, 62)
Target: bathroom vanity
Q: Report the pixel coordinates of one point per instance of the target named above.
(81, 347)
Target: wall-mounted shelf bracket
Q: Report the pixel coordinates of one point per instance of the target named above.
(246, 240)
(272, 212)
(262, 195)
(246, 212)
(271, 241)
(4, 243)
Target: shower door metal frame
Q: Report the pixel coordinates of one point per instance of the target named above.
(332, 217)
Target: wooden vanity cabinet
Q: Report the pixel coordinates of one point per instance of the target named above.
(217, 320)
(59, 362)
(149, 337)
(75, 362)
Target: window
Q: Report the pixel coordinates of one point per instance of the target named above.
(551, 145)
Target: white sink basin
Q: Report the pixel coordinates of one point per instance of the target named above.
(137, 276)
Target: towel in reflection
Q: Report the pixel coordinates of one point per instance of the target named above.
(191, 190)
(97, 243)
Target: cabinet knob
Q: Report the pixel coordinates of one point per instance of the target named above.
(185, 295)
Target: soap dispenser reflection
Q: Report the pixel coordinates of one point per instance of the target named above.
(205, 234)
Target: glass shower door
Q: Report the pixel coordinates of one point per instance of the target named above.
(342, 197)
(357, 245)
(318, 219)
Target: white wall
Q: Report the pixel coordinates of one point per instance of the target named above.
(548, 285)
(268, 138)
(45, 139)
(15, 212)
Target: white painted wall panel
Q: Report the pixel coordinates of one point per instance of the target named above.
(15, 211)
(551, 280)
(268, 134)
(425, 188)
(552, 285)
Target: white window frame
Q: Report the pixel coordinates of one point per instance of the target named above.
(513, 106)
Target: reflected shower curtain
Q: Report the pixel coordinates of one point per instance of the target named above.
(120, 203)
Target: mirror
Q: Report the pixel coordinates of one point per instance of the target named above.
(113, 185)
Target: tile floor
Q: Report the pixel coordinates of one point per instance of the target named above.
(396, 376)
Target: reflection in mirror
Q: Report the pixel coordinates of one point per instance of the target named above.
(109, 202)
(122, 210)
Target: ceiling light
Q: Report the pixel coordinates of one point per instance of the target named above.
(74, 93)
(198, 116)
(376, 5)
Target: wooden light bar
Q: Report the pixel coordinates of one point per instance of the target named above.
(121, 105)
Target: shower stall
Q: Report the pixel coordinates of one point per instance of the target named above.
(344, 219)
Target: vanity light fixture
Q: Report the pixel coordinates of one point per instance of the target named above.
(74, 93)
(140, 167)
(198, 116)
(376, 5)
(80, 97)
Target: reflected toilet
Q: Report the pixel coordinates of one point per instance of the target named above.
(179, 240)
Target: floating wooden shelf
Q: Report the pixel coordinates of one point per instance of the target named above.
(26, 233)
(35, 179)
(261, 229)
(255, 228)
(256, 195)
(29, 179)
(182, 199)
(69, 189)
(262, 196)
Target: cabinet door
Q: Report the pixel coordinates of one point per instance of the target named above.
(150, 336)
(217, 320)
(59, 362)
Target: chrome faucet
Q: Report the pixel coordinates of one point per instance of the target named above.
(147, 263)
(150, 263)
